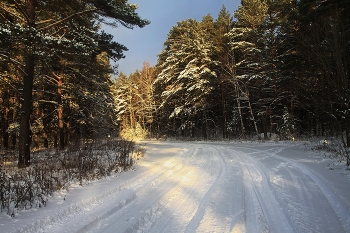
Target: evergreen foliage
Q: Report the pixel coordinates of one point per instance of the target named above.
(281, 67)
(271, 67)
(63, 61)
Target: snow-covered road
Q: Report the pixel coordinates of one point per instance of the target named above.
(204, 187)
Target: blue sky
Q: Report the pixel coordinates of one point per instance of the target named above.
(144, 44)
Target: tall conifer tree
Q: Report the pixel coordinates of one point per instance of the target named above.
(40, 28)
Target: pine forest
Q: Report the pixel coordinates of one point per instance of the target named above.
(270, 69)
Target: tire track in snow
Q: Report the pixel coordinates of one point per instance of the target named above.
(194, 223)
(305, 215)
(58, 221)
(234, 220)
(262, 207)
(284, 179)
(147, 221)
(167, 170)
(147, 202)
(183, 201)
(339, 207)
(160, 192)
(134, 196)
(224, 210)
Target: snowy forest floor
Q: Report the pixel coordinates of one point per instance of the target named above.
(204, 187)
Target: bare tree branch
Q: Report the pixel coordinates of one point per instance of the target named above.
(10, 11)
(24, 13)
(17, 64)
(5, 81)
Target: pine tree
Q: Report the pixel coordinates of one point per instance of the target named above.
(247, 44)
(223, 25)
(187, 74)
(324, 42)
(56, 29)
(286, 66)
(264, 47)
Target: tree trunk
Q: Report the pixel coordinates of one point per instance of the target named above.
(192, 129)
(67, 134)
(55, 140)
(239, 109)
(253, 118)
(46, 141)
(204, 126)
(60, 112)
(26, 109)
(264, 126)
(13, 140)
(347, 130)
(224, 122)
(5, 127)
(4, 120)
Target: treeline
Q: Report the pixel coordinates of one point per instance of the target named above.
(276, 67)
(55, 72)
(272, 67)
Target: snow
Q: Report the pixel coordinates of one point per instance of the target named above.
(204, 187)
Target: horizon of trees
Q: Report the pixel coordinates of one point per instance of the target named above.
(272, 67)
(276, 67)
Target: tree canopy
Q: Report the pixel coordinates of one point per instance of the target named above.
(53, 44)
(278, 67)
(268, 68)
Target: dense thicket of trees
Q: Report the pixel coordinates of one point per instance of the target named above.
(273, 66)
(55, 68)
(278, 67)
(135, 103)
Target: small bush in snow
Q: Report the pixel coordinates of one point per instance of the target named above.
(50, 172)
(335, 148)
(134, 134)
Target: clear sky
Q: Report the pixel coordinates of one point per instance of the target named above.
(144, 44)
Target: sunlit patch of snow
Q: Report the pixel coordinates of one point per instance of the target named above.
(203, 187)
